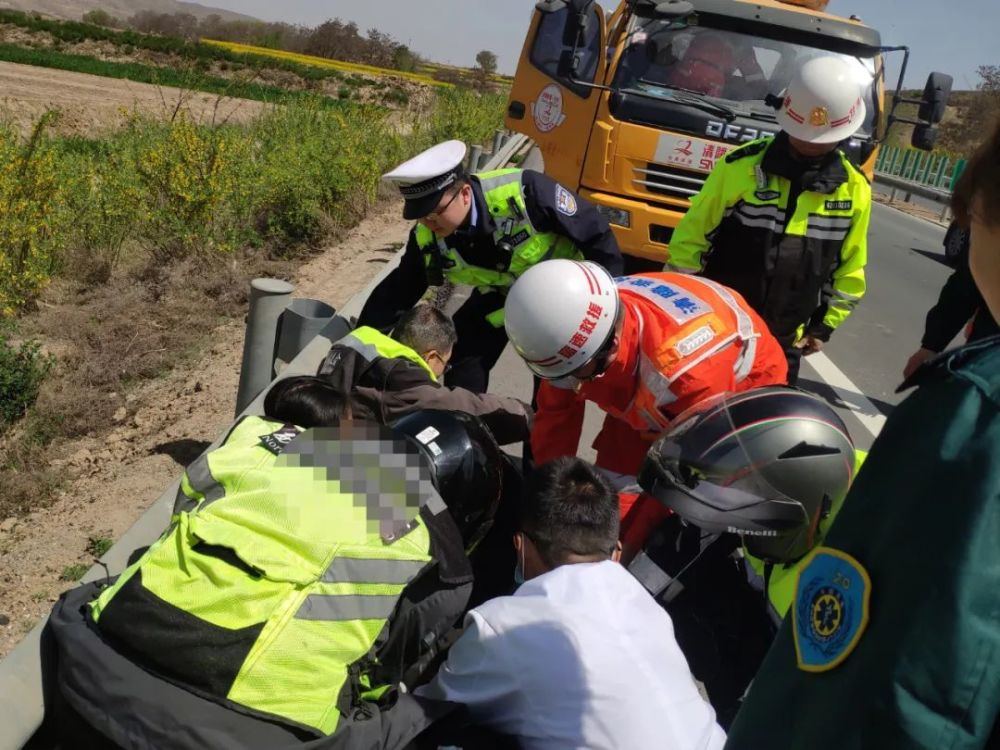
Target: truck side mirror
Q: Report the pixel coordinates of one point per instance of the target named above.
(577, 22)
(937, 91)
(924, 137)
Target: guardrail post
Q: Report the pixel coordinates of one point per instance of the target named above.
(268, 298)
(959, 168)
(475, 156)
(300, 323)
(942, 168)
(497, 140)
(895, 161)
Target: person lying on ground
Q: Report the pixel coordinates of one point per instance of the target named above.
(389, 377)
(735, 496)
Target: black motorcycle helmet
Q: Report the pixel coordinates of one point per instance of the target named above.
(466, 466)
(768, 464)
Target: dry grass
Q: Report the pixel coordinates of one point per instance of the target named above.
(109, 337)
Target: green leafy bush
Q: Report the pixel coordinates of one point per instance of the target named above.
(22, 369)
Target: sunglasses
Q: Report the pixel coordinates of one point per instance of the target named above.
(436, 214)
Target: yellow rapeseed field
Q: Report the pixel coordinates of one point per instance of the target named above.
(324, 62)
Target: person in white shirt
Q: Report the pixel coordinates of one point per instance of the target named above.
(580, 656)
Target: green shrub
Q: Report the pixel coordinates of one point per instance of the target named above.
(22, 370)
(98, 545)
(31, 219)
(466, 115)
(74, 572)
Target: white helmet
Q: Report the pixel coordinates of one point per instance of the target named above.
(560, 314)
(823, 102)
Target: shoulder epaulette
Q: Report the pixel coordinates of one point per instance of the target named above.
(751, 149)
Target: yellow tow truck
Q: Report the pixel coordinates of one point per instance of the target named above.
(632, 108)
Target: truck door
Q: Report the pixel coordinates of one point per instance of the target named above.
(565, 47)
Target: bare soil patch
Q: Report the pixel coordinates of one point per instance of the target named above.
(146, 435)
(92, 104)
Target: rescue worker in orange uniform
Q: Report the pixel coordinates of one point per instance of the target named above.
(643, 348)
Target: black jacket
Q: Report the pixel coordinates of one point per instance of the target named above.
(404, 286)
(959, 302)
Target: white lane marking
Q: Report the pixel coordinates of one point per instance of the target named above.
(865, 411)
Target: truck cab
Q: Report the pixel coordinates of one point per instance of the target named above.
(633, 108)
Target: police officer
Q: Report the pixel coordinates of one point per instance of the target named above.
(784, 220)
(306, 574)
(483, 230)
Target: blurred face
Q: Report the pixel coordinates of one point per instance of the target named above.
(984, 259)
(438, 362)
(450, 213)
(810, 150)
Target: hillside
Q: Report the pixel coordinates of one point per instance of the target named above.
(74, 9)
(960, 131)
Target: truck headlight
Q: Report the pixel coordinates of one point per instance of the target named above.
(618, 216)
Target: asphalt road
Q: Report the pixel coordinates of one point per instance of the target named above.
(860, 368)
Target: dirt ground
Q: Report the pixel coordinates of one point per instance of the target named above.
(91, 104)
(175, 418)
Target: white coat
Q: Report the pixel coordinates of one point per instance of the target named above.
(580, 657)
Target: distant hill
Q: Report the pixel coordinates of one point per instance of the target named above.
(74, 9)
(960, 131)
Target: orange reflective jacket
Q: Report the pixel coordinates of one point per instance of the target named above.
(684, 338)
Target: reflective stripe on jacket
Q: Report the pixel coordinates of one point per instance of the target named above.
(273, 584)
(683, 339)
(803, 272)
(504, 197)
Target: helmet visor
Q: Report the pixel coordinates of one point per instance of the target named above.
(731, 464)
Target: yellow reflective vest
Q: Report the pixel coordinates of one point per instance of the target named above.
(796, 252)
(514, 231)
(274, 581)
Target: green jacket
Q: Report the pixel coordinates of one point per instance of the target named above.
(921, 532)
(792, 242)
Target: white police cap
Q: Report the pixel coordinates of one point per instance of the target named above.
(423, 179)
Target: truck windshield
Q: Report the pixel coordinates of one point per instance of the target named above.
(726, 68)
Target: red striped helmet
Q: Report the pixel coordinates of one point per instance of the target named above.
(560, 315)
(824, 102)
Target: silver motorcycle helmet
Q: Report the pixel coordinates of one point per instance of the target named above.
(768, 464)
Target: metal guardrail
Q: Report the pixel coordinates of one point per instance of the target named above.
(912, 172)
(22, 706)
(923, 168)
(909, 189)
